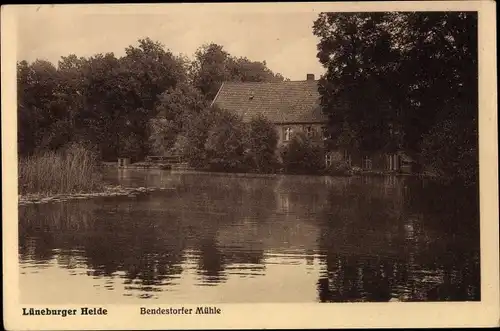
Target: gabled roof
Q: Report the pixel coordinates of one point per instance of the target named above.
(280, 102)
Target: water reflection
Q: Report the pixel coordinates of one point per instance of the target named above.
(227, 238)
(391, 242)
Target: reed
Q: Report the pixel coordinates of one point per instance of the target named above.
(72, 170)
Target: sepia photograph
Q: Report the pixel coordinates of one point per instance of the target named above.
(182, 160)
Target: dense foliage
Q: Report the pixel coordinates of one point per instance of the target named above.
(302, 156)
(403, 80)
(219, 140)
(132, 105)
(226, 143)
(213, 65)
(262, 145)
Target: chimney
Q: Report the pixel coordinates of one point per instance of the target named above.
(310, 76)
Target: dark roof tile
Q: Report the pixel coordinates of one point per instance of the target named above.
(280, 102)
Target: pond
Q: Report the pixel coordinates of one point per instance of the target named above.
(227, 238)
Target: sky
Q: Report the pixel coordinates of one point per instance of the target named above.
(284, 39)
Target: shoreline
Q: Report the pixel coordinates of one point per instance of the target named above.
(372, 173)
(120, 191)
(318, 174)
(109, 191)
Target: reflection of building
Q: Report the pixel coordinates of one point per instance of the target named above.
(284, 202)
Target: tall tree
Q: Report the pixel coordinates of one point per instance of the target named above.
(360, 63)
(103, 100)
(102, 113)
(213, 65)
(38, 108)
(148, 71)
(209, 69)
(393, 79)
(176, 107)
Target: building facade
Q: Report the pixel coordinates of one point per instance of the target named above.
(293, 106)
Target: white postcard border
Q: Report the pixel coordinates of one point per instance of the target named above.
(439, 314)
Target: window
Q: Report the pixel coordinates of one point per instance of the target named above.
(347, 157)
(393, 162)
(328, 159)
(288, 134)
(367, 162)
(325, 132)
(309, 131)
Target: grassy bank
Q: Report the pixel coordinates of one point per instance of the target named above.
(73, 170)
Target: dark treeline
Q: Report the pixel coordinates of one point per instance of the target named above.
(107, 103)
(403, 80)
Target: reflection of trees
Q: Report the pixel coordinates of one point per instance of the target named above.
(355, 243)
(211, 262)
(450, 208)
(238, 218)
(145, 237)
(378, 238)
(351, 278)
(302, 196)
(43, 228)
(391, 240)
(144, 244)
(230, 211)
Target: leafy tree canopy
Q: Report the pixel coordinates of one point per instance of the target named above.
(397, 73)
(402, 80)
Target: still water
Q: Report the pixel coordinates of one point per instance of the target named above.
(215, 238)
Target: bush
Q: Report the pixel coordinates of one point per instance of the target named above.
(219, 140)
(190, 142)
(71, 170)
(226, 143)
(262, 141)
(301, 156)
